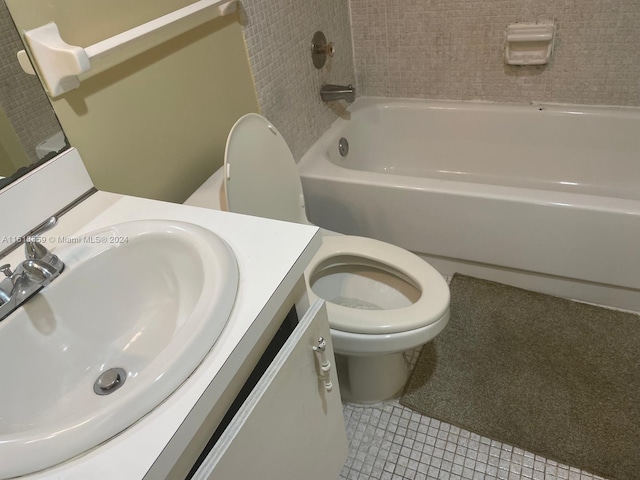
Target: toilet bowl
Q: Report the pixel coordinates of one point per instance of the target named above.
(382, 300)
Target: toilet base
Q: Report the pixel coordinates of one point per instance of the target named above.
(371, 379)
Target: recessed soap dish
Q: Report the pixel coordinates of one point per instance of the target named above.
(529, 43)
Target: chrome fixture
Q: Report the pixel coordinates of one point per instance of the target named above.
(320, 49)
(34, 250)
(39, 269)
(110, 381)
(338, 92)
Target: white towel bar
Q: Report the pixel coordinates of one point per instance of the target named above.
(59, 64)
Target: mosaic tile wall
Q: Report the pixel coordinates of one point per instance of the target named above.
(21, 96)
(278, 35)
(453, 49)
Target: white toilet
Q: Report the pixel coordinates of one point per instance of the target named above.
(381, 299)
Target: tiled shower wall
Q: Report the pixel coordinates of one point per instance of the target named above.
(278, 34)
(454, 49)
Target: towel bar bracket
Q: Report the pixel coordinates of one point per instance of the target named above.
(60, 64)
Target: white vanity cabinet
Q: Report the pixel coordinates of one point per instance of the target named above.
(291, 426)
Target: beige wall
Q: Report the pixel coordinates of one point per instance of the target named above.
(156, 125)
(446, 49)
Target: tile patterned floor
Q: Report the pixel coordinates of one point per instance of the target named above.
(390, 442)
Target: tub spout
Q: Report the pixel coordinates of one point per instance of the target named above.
(338, 92)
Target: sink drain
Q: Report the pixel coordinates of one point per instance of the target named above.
(110, 381)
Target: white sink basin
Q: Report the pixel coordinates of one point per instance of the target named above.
(153, 306)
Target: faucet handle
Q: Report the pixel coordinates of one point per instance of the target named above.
(36, 251)
(32, 248)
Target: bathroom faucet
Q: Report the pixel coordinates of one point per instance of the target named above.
(27, 280)
(337, 92)
(36, 272)
(34, 250)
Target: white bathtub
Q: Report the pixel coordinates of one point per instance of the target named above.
(538, 196)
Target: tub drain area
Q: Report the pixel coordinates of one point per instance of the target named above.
(109, 381)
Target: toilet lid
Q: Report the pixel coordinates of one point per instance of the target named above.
(261, 177)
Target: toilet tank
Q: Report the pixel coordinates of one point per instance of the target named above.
(211, 193)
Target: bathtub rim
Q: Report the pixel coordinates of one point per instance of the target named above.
(309, 165)
(363, 103)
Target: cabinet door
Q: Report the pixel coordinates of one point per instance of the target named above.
(291, 427)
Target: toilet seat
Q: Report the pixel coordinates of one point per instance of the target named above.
(432, 305)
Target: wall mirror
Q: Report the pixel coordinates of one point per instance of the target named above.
(30, 133)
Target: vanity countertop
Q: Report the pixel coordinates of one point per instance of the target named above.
(271, 258)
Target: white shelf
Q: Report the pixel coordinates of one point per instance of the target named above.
(60, 64)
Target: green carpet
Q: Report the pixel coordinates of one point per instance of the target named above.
(557, 378)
